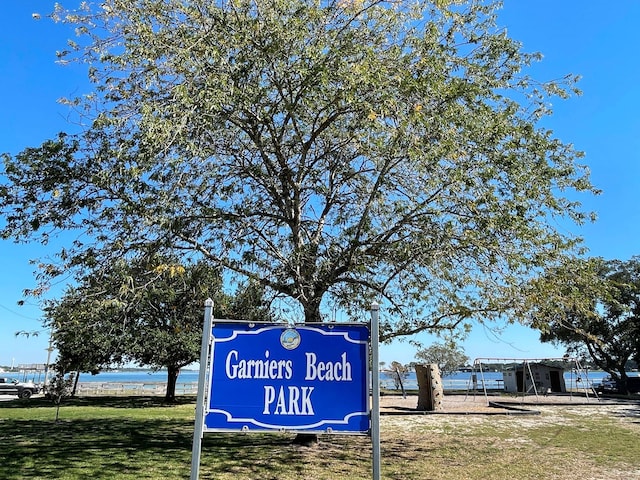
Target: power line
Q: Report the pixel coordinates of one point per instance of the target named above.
(17, 314)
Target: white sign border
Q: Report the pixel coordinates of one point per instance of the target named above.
(274, 428)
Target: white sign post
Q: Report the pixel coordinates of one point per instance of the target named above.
(375, 390)
(288, 378)
(199, 423)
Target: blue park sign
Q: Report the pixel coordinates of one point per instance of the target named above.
(303, 378)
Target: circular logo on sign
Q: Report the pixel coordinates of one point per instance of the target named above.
(290, 339)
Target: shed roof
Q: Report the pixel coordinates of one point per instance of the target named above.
(535, 364)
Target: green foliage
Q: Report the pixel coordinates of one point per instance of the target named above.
(331, 152)
(447, 355)
(59, 388)
(594, 311)
(146, 310)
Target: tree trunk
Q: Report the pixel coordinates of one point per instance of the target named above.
(430, 391)
(75, 384)
(172, 378)
(624, 382)
(306, 439)
(311, 315)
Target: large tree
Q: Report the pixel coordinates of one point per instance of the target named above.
(147, 311)
(334, 152)
(448, 355)
(594, 311)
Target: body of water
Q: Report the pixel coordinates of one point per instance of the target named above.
(494, 380)
(138, 376)
(456, 381)
(139, 382)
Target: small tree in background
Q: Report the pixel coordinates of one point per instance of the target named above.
(448, 356)
(60, 387)
(399, 372)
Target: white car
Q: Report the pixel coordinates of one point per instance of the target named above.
(12, 386)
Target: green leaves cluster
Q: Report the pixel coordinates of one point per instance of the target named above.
(449, 356)
(146, 311)
(593, 308)
(334, 153)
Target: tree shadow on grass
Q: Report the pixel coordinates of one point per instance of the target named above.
(122, 447)
(274, 456)
(102, 401)
(631, 411)
(97, 448)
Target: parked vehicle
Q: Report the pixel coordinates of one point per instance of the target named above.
(610, 385)
(12, 386)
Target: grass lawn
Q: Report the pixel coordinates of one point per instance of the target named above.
(141, 438)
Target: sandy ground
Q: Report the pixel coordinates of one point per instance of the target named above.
(465, 413)
(494, 405)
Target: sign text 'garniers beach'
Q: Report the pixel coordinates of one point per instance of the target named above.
(287, 399)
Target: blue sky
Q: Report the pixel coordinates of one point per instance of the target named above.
(595, 40)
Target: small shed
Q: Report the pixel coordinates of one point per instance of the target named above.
(523, 377)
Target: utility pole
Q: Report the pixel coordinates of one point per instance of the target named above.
(46, 366)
